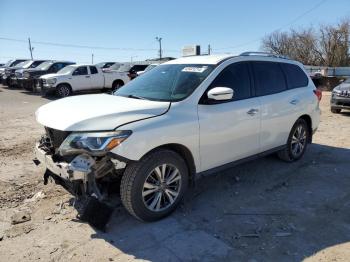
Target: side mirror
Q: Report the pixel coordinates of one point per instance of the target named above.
(220, 93)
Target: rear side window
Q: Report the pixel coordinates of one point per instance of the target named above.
(269, 78)
(80, 71)
(235, 76)
(295, 76)
(93, 70)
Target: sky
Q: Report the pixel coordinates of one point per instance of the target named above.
(125, 30)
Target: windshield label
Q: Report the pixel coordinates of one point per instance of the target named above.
(195, 69)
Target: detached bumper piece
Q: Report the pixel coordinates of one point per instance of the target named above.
(78, 178)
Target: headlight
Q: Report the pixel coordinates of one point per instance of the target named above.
(26, 75)
(97, 143)
(51, 81)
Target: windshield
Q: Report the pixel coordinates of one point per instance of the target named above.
(171, 82)
(8, 63)
(347, 80)
(45, 65)
(22, 64)
(150, 67)
(123, 67)
(27, 64)
(115, 66)
(66, 70)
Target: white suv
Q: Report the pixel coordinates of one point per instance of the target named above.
(184, 118)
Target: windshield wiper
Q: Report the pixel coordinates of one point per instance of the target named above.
(137, 97)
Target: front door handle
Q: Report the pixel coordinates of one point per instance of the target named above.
(87, 76)
(252, 111)
(294, 101)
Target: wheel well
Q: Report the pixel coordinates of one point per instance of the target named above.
(67, 84)
(184, 152)
(118, 81)
(308, 120)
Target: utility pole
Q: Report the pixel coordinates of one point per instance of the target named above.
(159, 39)
(92, 58)
(30, 48)
(209, 49)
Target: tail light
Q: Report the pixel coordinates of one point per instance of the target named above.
(318, 93)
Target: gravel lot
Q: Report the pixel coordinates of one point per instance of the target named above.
(265, 210)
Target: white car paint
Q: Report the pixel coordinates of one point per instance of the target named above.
(214, 135)
(84, 82)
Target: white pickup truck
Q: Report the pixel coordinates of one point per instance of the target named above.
(81, 78)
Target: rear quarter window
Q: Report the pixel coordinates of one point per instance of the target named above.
(295, 76)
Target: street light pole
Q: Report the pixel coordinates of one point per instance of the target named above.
(159, 39)
(30, 48)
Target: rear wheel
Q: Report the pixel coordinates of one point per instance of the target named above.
(63, 90)
(116, 85)
(335, 110)
(297, 142)
(153, 187)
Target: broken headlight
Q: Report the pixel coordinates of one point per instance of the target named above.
(96, 143)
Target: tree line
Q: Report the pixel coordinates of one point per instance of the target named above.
(325, 45)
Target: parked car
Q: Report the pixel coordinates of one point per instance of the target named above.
(2, 65)
(135, 70)
(16, 75)
(9, 64)
(340, 99)
(148, 68)
(185, 118)
(81, 78)
(104, 65)
(31, 76)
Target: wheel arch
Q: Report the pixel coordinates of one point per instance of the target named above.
(183, 151)
(308, 120)
(118, 81)
(65, 83)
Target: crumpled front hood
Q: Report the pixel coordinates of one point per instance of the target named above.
(96, 112)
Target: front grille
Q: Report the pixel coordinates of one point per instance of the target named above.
(344, 93)
(56, 136)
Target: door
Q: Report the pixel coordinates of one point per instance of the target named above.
(229, 130)
(279, 106)
(81, 79)
(96, 78)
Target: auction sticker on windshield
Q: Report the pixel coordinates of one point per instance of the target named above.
(194, 69)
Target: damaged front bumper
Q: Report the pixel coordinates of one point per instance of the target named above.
(77, 169)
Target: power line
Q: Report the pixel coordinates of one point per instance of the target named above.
(278, 29)
(84, 46)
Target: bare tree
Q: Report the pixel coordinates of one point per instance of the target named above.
(328, 45)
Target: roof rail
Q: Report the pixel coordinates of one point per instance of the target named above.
(264, 54)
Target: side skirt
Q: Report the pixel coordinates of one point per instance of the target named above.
(238, 162)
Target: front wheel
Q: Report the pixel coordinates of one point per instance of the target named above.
(116, 85)
(296, 143)
(63, 90)
(335, 110)
(153, 187)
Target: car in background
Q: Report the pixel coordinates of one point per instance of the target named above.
(148, 68)
(340, 98)
(31, 76)
(9, 64)
(74, 78)
(2, 65)
(104, 65)
(135, 70)
(17, 74)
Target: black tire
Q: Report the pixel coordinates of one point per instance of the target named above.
(289, 154)
(335, 110)
(117, 84)
(63, 90)
(134, 180)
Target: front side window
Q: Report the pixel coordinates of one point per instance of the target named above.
(295, 76)
(82, 70)
(172, 82)
(235, 76)
(269, 78)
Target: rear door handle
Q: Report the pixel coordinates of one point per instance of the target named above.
(294, 101)
(252, 111)
(87, 76)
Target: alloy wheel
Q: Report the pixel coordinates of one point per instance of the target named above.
(298, 141)
(161, 187)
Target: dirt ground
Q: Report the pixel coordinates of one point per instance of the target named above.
(265, 210)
